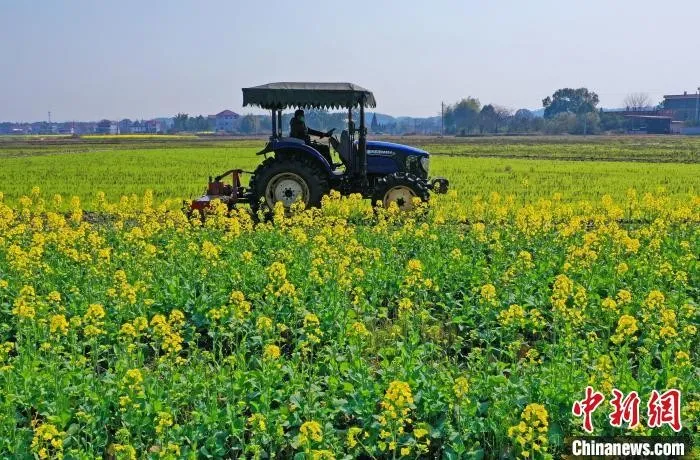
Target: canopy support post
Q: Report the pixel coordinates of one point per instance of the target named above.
(362, 144)
(274, 124)
(279, 122)
(351, 131)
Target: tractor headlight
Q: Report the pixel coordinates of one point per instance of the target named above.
(425, 164)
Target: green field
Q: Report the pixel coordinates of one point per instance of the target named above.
(466, 328)
(178, 168)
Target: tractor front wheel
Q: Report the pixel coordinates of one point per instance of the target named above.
(400, 188)
(288, 180)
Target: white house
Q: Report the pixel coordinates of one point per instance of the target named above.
(226, 121)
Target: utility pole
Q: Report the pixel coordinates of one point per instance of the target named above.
(442, 118)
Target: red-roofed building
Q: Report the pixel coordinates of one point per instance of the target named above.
(226, 121)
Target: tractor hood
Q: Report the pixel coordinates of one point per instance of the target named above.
(386, 148)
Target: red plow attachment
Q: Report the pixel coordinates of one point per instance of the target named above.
(231, 194)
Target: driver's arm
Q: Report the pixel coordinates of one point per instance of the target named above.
(313, 132)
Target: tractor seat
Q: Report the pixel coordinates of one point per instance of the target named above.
(345, 149)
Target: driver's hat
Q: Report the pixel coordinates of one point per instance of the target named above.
(298, 112)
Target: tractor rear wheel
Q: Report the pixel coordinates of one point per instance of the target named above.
(400, 188)
(288, 179)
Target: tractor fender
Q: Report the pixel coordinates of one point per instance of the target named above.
(286, 148)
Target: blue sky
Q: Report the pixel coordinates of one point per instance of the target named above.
(86, 60)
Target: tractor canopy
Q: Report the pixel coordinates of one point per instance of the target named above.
(282, 95)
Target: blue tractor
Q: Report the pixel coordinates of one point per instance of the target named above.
(296, 170)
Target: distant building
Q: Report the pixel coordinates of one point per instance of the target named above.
(138, 127)
(106, 127)
(226, 121)
(125, 126)
(684, 107)
(155, 126)
(650, 124)
(152, 126)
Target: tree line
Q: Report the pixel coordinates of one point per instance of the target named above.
(567, 110)
(182, 122)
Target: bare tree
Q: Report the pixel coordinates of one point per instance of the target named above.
(503, 114)
(637, 101)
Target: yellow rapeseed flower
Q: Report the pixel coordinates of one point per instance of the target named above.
(460, 387)
(655, 299)
(353, 433)
(398, 395)
(133, 379)
(54, 296)
(257, 422)
(128, 330)
(667, 332)
(322, 455)
(626, 327)
(164, 420)
(624, 296)
(488, 292)
(310, 431)
(405, 306)
(271, 352)
(263, 323)
(414, 266)
(210, 251)
(58, 324)
(47, 439)
(358, 329)
(531, 433)
(95, 312)
(311, 321)
(513, 315)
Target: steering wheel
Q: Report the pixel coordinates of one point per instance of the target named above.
(329, 135)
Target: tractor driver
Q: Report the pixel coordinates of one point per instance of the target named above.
(298, 129)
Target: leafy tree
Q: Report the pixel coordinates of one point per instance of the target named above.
(198, 123)
(561, 123)
(569, 100)
(520, 122)
(180, 122)
(569, 123)
(492, 117)
(613, 121)
(374, 126)
(587, 123)
(248, 124)
(464, 115)
(487, 119)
